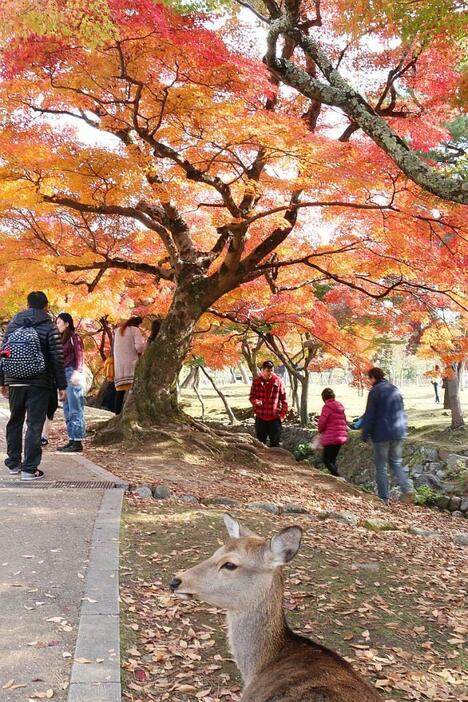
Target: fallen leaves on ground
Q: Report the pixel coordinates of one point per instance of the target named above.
(390, 602)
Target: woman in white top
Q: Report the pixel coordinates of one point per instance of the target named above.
(129, 344)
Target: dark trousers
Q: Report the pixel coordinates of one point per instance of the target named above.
(119, 401)
(28, 402)
(271, 429)
(436, 390)
(329, 456)
(108, 398)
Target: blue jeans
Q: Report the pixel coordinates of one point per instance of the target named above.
(73, 409)
(390, 452)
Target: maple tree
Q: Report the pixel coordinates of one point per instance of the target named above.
(145, 158)
(446, 343)
(414, 81)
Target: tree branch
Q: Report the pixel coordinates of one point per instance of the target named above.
(340, 94)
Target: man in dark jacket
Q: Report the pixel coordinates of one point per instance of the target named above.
(29, 396)
(385, 423)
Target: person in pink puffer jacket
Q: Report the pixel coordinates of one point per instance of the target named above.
(332, 428)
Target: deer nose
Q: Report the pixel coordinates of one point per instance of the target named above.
(175, 582)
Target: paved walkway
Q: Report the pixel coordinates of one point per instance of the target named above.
(59, 615)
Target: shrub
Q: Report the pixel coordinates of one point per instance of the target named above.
(425, 495)
(303, 451)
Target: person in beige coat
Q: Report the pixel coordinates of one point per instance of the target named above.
(129, 344)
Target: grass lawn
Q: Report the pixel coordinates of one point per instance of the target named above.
(419, 400)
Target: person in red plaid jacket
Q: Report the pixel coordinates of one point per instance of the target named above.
(268, 397)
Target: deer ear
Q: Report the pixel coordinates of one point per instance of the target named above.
(232, 526)
(235, 530)
(285, 545)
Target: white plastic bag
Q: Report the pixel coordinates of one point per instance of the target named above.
(316, 443)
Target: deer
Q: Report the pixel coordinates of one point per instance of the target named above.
(244, 577)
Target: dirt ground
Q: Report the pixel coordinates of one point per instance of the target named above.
(391, 602)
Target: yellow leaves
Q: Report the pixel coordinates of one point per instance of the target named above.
(186, 98)
(91, 24)
(250, 188)
(161, 192)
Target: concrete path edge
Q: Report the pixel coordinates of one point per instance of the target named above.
(98, 471)
(95, 675)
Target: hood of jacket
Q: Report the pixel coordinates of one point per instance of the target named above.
(335, 406)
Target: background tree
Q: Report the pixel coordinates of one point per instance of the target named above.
(447, 344)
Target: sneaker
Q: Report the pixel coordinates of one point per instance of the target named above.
(73, 447)
(37, 475)
(66, 447)
(14, 471)
(44, 441)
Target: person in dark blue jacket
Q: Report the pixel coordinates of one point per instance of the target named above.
(384, 422)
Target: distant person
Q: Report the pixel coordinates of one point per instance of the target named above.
(332, 428)
(108, 398)
(384, 422)
(268, 397)
(155, 329)
(436, 379)
(129, 344)
(32, 363)
(73, 405)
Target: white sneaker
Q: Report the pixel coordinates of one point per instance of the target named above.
(37, 475)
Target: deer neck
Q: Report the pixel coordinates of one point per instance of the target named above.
(257, 634)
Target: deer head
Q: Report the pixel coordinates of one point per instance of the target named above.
(242, 570)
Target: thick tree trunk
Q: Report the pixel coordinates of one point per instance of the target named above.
(189, 379)
(294, 392)
(155, 391)
(243, 372)
(453, 392)
(250, 356)
(305, 401)
(454, 400)
(446, 396)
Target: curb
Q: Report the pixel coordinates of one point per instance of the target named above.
(97, 677)
(98, 471)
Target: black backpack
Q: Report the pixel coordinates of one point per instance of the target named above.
(22, 355)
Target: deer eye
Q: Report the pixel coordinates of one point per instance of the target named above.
(229, 566)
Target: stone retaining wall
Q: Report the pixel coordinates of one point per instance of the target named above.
(446, 473)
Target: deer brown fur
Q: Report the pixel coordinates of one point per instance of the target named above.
(244, 577)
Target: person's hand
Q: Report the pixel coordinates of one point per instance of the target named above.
(5, 391)
(62, 395)
(75, 378)
(258, 403)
